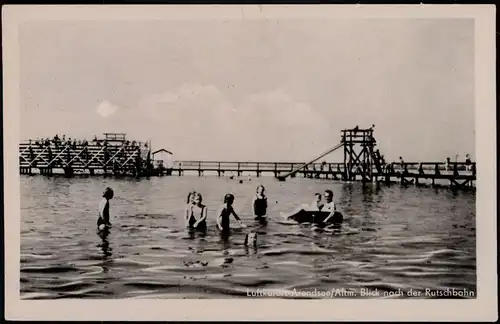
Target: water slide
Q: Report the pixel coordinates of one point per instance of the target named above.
(282, 178)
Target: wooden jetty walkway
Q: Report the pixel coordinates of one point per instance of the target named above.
(407, 172)
(115, 155)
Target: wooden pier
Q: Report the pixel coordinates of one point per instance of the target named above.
(115, 155)
(459, 174)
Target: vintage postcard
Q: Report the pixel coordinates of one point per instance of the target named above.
(250, 162)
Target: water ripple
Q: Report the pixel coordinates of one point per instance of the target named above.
(393, 240)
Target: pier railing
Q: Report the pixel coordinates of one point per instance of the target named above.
(323, 167)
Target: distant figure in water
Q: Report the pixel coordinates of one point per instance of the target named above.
(259, 203)
(103, 220)
(196, 212)
(225, 212)
(316, 204)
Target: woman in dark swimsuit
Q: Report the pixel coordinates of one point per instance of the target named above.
(259, 203)
(197, 209)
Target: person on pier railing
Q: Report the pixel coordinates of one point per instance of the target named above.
(468, 162)
(420, 168)
(402, 166)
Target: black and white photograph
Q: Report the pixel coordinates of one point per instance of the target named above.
(158, 155)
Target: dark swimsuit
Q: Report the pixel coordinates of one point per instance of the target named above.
(225, 213)
(101, 220)
(192, 219)
(260, 206)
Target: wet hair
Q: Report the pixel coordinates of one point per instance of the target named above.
(108, 193)
(190, 194)
(260, 186)
(197, 194)
(228, 197)
(251, 238)
(317, 194)
(329, 192)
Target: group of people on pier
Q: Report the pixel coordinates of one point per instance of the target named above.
(63, 141)
(59, 141)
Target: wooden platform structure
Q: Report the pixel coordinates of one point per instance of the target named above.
(115, 155)
(111, 155)
(362, 161)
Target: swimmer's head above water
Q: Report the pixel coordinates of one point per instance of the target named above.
(328, 195)
(251, 239)
(229, 199)
(108, 193)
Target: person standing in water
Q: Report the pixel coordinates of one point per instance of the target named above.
(197, 213)
(189, 204)
(259, 203)
(225, 212)
(103, 220)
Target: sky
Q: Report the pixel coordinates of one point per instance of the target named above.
(256, 90)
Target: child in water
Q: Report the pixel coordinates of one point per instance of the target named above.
(196, 210)
(103, 220)
(225, 212)
(189, 203)
(259, 203)
(316, 204)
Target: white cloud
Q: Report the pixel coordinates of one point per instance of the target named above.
(106, 109)
(198, 121)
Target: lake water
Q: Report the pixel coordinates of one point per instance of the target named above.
(394, 240)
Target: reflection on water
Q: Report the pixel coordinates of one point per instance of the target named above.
(393, 238)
